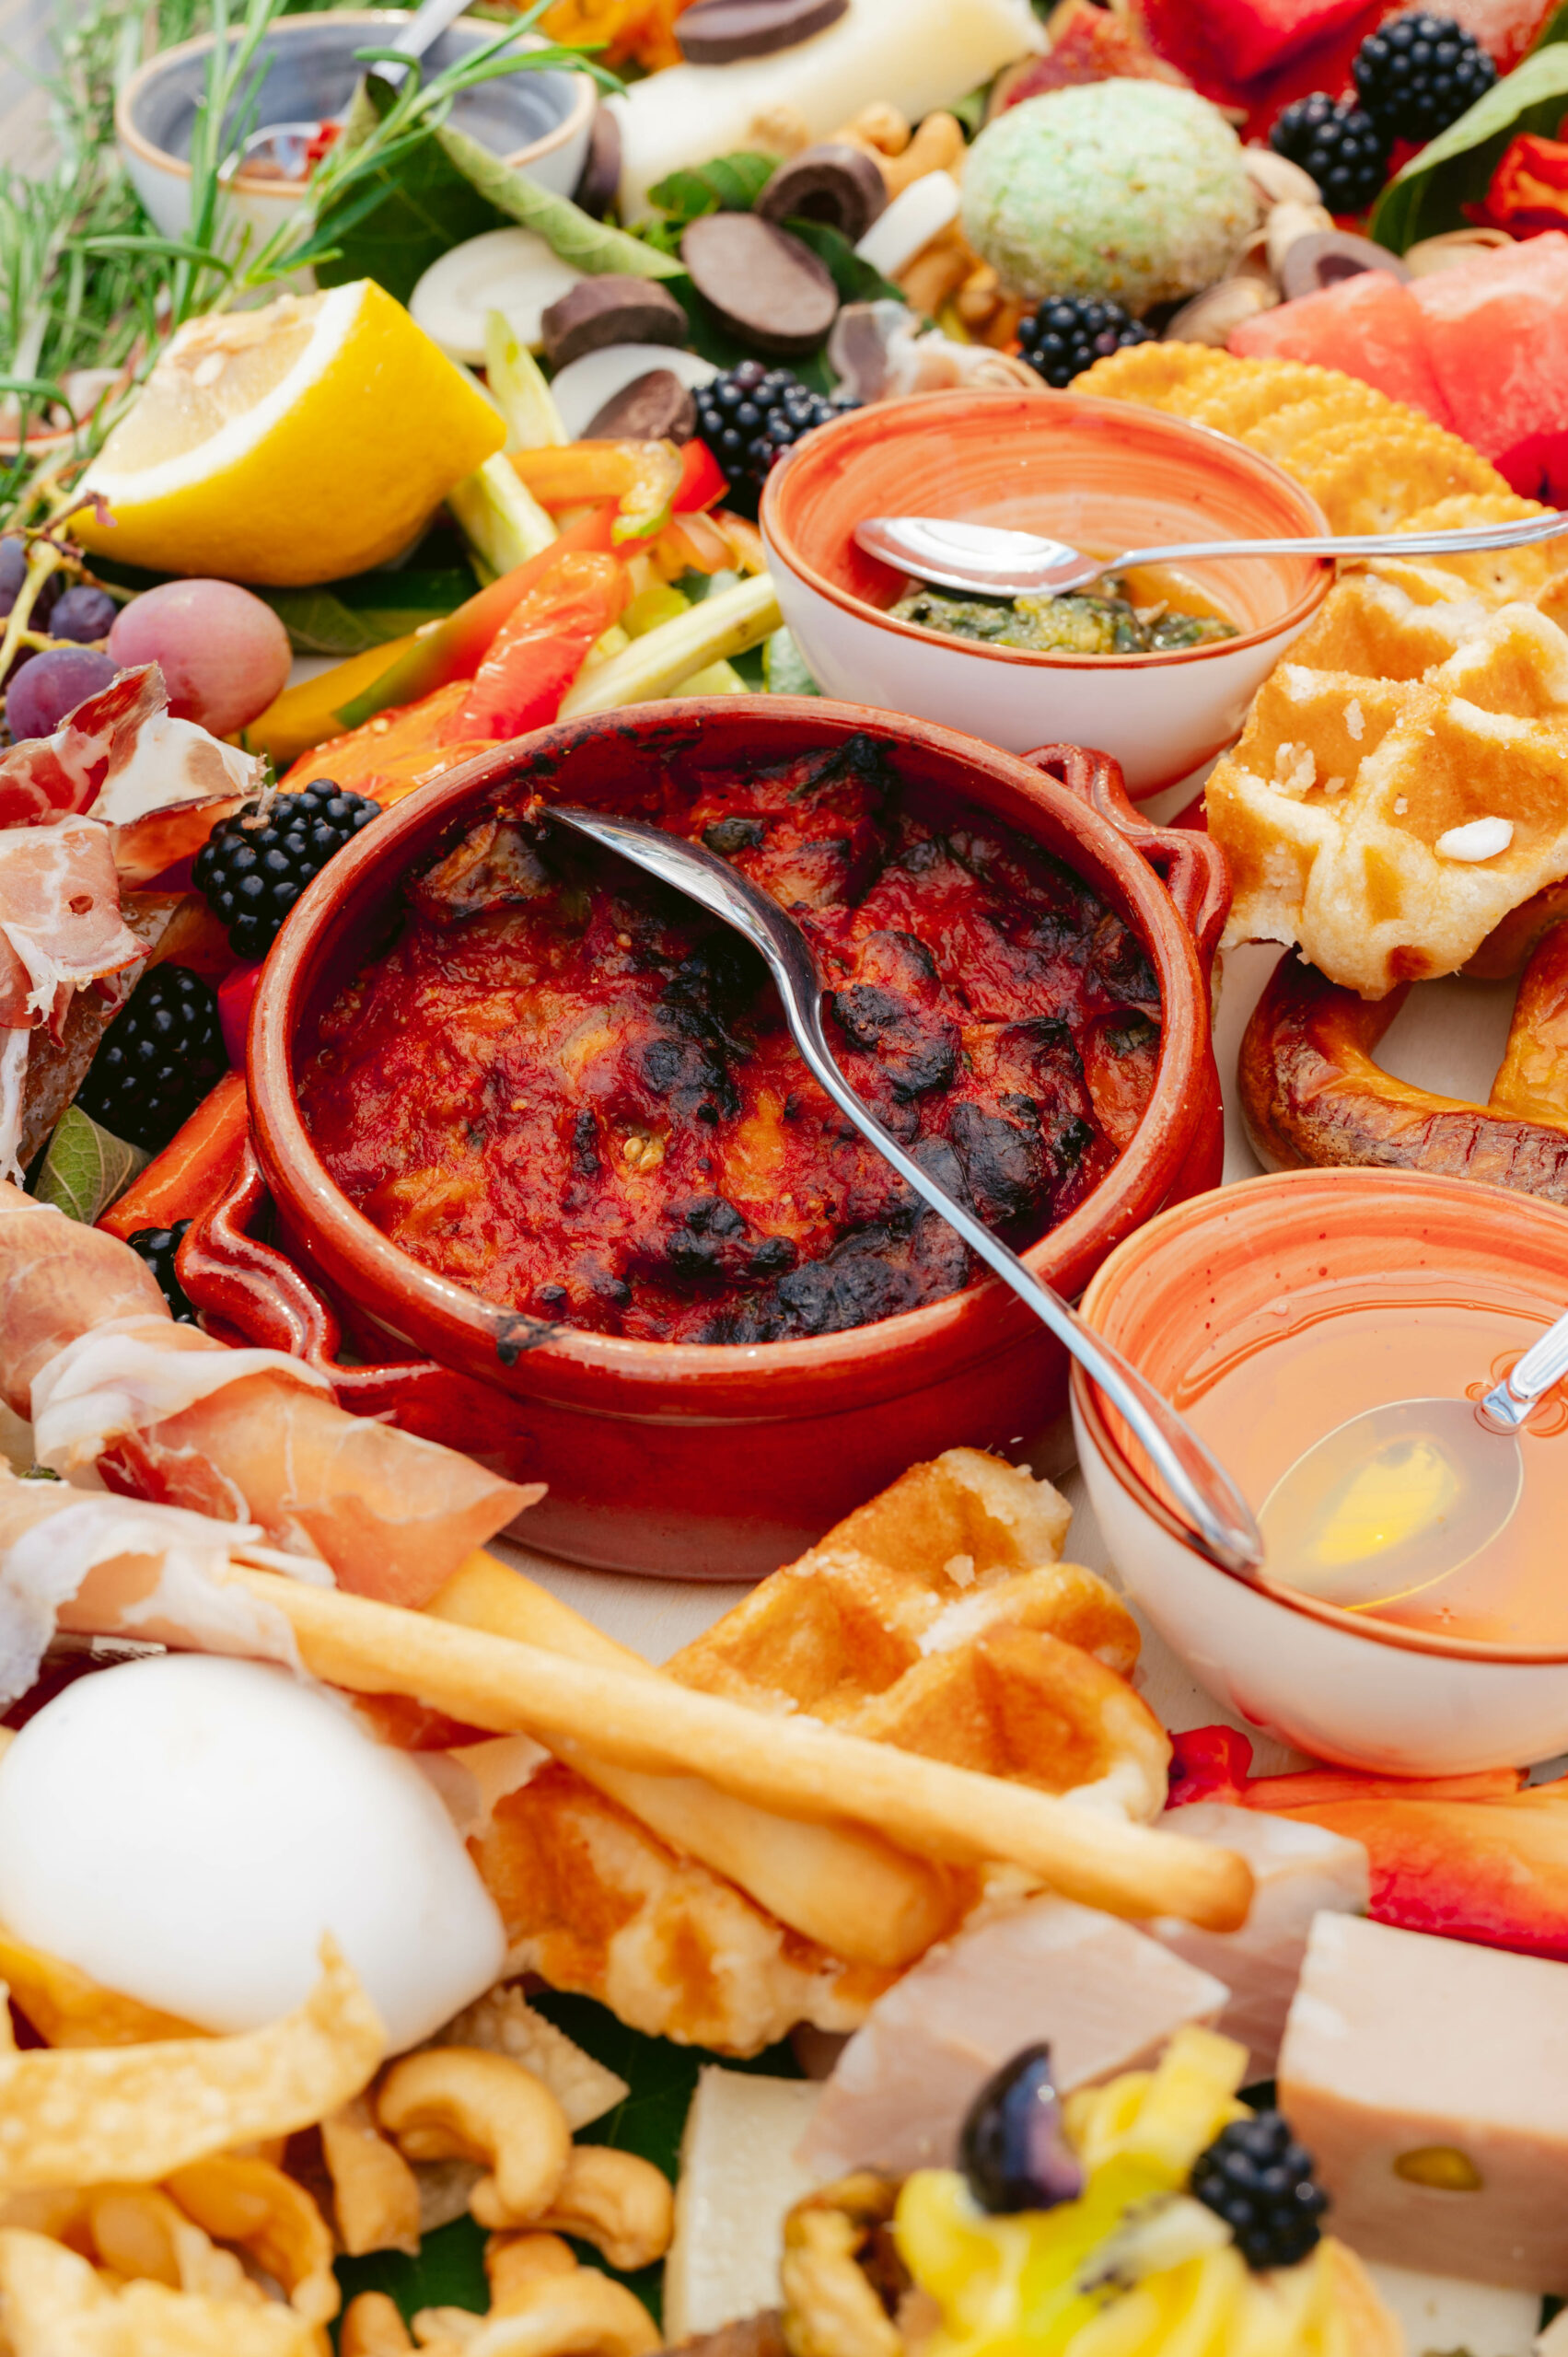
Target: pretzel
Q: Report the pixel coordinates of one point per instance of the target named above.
(1312, 1092)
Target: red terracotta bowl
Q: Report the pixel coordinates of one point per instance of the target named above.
(702, 1460)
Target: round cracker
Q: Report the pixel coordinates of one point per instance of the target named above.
(1371, 480)
(1284, 430)
(1271, 385)
(1153, 373)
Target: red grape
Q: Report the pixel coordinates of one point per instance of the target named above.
(223, 654)
(52, 684)
(84, 614)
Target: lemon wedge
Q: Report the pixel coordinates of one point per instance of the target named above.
(289, 445)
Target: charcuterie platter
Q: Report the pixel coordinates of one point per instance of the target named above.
(606, 1745)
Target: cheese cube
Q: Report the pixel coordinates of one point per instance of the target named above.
(1429, 2081)
(738, 2179)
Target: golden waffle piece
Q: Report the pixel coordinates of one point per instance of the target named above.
(1428, 693)
(1371, 463)
(938, 1619)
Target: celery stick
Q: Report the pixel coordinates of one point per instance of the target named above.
(655, 665)
(716, 679)
(500, 518)
(612, 642)
(518, 386)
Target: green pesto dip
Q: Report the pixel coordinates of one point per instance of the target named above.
(1078, 623)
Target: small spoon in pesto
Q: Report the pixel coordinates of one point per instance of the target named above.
(987, 560)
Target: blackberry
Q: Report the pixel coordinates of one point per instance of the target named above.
(750, 415)
(1419, 74)
(158, 1059)
(250, 874)
(157, 1246)
(1069, 332)
(1342, 148)
(1258, 2179)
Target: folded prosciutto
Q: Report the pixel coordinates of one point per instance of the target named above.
(109, 1566)
(90, 1355)
(60, 930)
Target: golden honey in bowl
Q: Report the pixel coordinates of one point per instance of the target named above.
(1289, 1374)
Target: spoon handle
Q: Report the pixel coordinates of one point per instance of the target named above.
(1510, 1402)
(1220, 1522)
(1521, 533)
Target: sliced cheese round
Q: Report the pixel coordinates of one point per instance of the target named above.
(583, 386)
(509, 270)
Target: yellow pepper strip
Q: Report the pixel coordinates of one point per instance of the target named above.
(642, 477)
(308, 715)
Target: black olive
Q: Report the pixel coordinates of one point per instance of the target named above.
(1011, 2147)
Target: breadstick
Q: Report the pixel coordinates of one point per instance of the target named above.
(849, 1890)
(798, 1770)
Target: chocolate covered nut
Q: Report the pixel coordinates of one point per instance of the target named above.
(653, 408)
(598, 183)
(1326, 256)
(839, 185)
(715, 32)
(611, 310)
(767, 287)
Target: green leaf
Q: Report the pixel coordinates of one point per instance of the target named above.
(783, 666)
(410, 209)
(85, 1168)
(857, 281)
(345, 617)
(729, 184)
(1455, 170)
(593, 247)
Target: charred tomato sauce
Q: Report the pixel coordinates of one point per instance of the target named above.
(566, 1089)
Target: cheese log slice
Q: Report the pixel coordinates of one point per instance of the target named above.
(1294, 1881)
(1409, 2060)
(1444, 2312)
(738, 2178)
(1102, 1994)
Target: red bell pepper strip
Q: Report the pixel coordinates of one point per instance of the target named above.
(456, 647)
(1528, 192)
(194, 1167)
(702, 480)
(541, 648)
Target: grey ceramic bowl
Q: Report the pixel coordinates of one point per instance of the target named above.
(539, 122)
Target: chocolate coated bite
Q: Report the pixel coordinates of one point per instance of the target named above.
(840, 185)
(716, 33)
(767, 287)
(655, 407)
(611, 310)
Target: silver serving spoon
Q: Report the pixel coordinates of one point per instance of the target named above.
(1220, 1522)
(1399, 1497)
(285, 145)
(993, 562)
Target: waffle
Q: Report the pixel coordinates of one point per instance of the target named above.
(1428, 693)
(938, 1619)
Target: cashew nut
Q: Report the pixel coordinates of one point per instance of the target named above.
(141, 2234)
(454, 2102)
(373, 2328)
(622, 2205)
(515, 2263)
(580, 2315)
(375, 2192)
(880, 128)
(938, 146)
(252, 2204)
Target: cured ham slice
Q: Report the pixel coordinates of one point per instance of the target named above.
(109, 1566)
(88, 1349)
(122, 758)
(60, 930)
(60, 920)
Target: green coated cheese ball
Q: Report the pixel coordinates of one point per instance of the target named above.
(1132, 190)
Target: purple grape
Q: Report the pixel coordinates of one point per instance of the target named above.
(51, 685)
(13, 573)
(83, 614)
(1011, 2147)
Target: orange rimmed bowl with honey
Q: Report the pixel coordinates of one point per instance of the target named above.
(1271, 1311)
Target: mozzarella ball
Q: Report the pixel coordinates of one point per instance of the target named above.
(185, 1828)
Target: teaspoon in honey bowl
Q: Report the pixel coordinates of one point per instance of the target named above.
(1395, 1499)
(1220, 1523)
(994, 562)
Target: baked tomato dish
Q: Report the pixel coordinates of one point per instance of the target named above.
(566, 1089)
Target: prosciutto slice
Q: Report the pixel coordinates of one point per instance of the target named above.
(90, 1351)
(60, 921)
(120, 757)
(108, 1567)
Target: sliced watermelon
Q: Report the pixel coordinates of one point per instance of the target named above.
(1496, 333)
(1369, 326)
